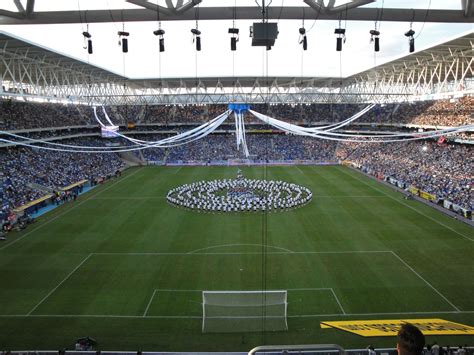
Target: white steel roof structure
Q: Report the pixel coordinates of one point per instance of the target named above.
(28, 70)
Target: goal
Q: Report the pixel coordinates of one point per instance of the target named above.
(244, 311)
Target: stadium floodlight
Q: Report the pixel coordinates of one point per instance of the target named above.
(341, 37)
(234, 39)
(123, 40)
(160, 32)
(88, 36)
(303, 40)
(374, 37)
(411, 39)
(196, 38)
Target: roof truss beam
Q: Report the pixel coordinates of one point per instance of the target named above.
(30, 7)
(467, 7)
(170, 10)
(227, 13)
(319, 5)
(19, 5)
(153, 7)
(10, 15)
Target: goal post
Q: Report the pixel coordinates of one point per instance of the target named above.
(244, 311)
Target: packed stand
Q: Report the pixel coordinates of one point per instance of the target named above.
(20, 115)
(431, 113)
(262, 147)
(445, 171)
(24, 168)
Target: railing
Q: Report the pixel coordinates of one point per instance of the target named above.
(331, 348)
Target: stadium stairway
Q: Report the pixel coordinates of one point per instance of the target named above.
(165, 158)
(131, 159)
(141, 115)
(42, 188)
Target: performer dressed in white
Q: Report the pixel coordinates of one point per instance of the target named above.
(239, 195)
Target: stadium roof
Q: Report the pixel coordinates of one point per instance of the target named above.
(40, 71)
(19, 51)
(429, 58)
(30, 52)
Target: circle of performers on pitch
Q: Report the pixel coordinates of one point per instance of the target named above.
(239, 195)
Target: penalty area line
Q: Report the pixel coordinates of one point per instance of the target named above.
(338, 302)
(63, 281)
(200, 317)
(424, 280)
(149, 303)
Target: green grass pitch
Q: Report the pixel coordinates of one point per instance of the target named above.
(123, 266)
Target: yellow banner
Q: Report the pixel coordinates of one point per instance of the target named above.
(79, 183)
(427, 196)
(422, 194)
(390, 327)
(32, 203)
(414, 190)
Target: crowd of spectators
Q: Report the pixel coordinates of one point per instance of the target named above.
(21, 115)
(26, 169)
(426, 113)
(16, 115)
(442, 170)
(430, 113)
(262, 147)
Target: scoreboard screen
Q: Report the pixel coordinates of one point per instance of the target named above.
(109, 131)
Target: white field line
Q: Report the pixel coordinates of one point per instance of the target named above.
(407, 205)
(149, 303)
(288, 289)
(321, 289)
(349, 196)
(63, 281)
(74, 206)
(132, 198)
(378, 314)
(421, 277)
(338, 302)
(237, 245)
(301, 171)
(178, 170)
(200, 317)
(252, 253)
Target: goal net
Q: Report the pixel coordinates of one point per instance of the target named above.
(244, 311)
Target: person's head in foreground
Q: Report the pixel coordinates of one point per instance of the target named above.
(410, 340)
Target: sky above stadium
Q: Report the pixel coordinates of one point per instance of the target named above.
(216, 59)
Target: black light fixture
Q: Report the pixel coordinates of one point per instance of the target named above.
(160, 33)
(197, 38)
(234, 39)
(341, 37)
(123, 40)
(195, 31)
(411, 39)
(303, 40)
(88, 37)
(374, 37)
